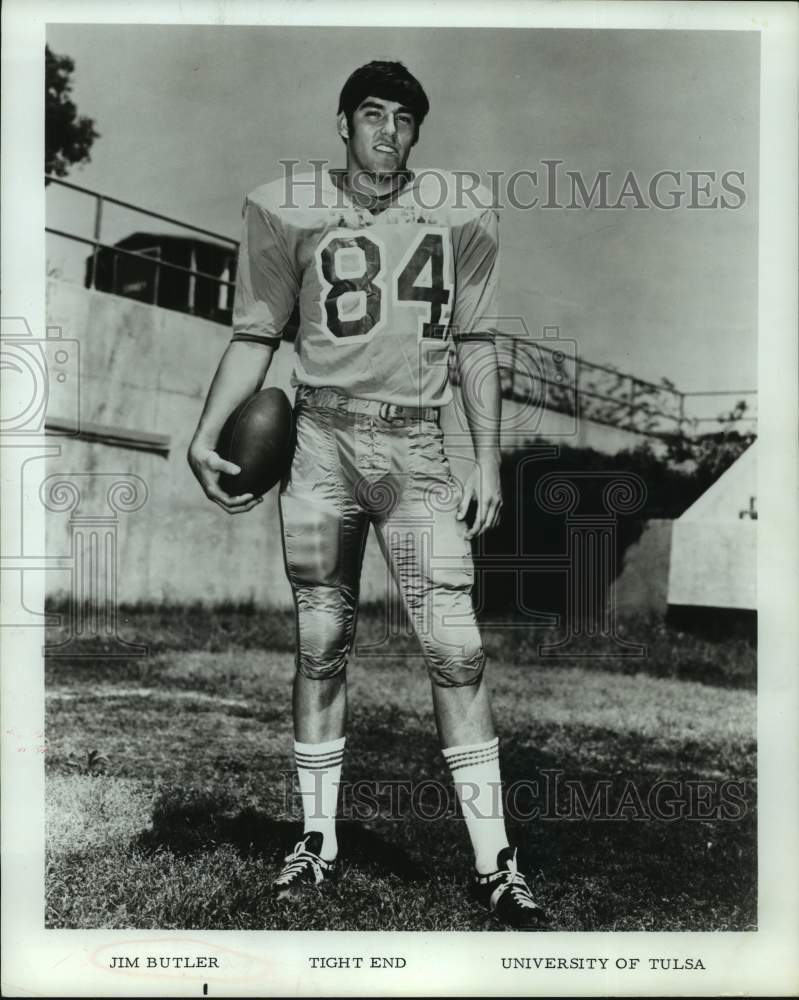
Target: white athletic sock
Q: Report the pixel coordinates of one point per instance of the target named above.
(475, 772)
(319, 773)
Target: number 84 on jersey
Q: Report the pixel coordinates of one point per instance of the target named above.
(398, 281)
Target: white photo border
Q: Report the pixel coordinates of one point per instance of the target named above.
(55, 962)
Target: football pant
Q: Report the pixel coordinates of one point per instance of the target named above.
(352, 469)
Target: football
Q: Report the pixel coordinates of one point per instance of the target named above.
(258, 437)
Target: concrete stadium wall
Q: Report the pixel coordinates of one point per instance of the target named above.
(643, 581)
(714, 549)
(145, 371)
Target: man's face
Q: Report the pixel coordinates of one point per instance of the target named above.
(380, 137)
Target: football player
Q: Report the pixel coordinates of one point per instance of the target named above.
(391, 275)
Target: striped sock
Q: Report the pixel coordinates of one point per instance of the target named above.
(475, 772)
(319, 774)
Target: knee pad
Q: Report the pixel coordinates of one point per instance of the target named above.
(325, 618)
(317, 669)
(449, 667)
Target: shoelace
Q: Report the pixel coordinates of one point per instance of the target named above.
(297, 861)
(514, 883)
(520, 891)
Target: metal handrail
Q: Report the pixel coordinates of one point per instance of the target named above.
(715, 420)
(156, 262)
(723, 392)
(629, 407)
(553, 349)
(141, 211)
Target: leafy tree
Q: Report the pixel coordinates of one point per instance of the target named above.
(710, 455)
(68, 136)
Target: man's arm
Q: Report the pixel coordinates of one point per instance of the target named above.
(476, 255)
(482, 403)
(240, 373)
(266, 289)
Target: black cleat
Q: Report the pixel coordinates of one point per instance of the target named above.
(303, 869)
(506, 893)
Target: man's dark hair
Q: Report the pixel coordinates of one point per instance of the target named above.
(390, 81)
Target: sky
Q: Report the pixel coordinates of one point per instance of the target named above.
(192, 118)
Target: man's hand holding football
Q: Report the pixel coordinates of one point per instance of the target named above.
(241, 371)
(207, 466)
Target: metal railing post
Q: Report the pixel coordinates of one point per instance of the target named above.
(157, 279)
(98, 222)
(631, 414)
(192, 280)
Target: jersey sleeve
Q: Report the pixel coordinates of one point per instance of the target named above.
(267, 283)
(476, 246)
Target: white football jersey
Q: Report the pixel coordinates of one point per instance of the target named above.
(381, 294)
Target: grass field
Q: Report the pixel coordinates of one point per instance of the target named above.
(169, 787)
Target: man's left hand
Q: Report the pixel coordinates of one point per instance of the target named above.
(483, 485)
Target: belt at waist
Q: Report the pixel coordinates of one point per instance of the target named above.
(390, 412)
